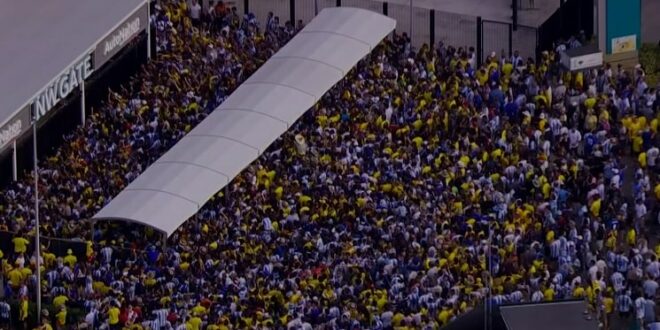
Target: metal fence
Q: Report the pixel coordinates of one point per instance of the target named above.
(429, 26)
(495, 38)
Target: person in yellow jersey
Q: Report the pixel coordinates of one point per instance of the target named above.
(608, 309)
(194, 323)
(20, 244)
(113, 317)
(60, 318)
(60, 300)
(23, 311)
(549, 293)
(70, 259)
(16, 277)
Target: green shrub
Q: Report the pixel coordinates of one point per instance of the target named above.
(649, 57)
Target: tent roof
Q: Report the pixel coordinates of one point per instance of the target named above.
(41, 39)
(174, 188)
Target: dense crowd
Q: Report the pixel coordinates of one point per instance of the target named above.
(419, 187)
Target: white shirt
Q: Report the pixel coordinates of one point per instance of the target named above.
(616, 181)
(617, 280)
(640, 210)
(195, 11)
(652, 155)
(574, 138)
(90, 318)
(653, 269)
(593, 270)
(654, 326)
(650, 287)
(639, 307)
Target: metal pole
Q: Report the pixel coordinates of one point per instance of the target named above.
(149, 30)
(316, 7)
(82, 103)
(479, 41)
(411, 21)
(488, 297)
(14, 165)
(36, 213)
(514, 8)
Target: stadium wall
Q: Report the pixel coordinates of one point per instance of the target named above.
(623, 26)
(650, 21)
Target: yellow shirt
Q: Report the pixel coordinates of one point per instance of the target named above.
(195, 323)
(199, 310)
(631, 237)
(443, 316)
(595, 208)
(70, 260)
(642, 159)
(608, 302)
(24, 310)
(49, 258)
(60, 300)
(16, 277)
(61, 317)
(20, 244)
(113, 315)
(548, 294)
(578, 292)
(398, 318)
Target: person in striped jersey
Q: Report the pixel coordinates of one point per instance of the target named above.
(5, 314)
(160, 319)
(624, 304)
(515, 297)
(618, 281)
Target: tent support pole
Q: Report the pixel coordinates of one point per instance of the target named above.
(14, 162)
(82, 104)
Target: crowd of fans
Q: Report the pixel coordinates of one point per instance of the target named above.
(419, 187)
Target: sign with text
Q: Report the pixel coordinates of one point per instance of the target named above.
(15, 127)
(119, 37)
(624, 44)
(62, 86)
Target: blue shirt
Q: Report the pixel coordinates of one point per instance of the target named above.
(497, 97)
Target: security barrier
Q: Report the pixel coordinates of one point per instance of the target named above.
(428, 26)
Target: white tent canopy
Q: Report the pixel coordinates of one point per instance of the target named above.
(174, 188)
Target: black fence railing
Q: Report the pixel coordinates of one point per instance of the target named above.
(428, 26)
(57, 246)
